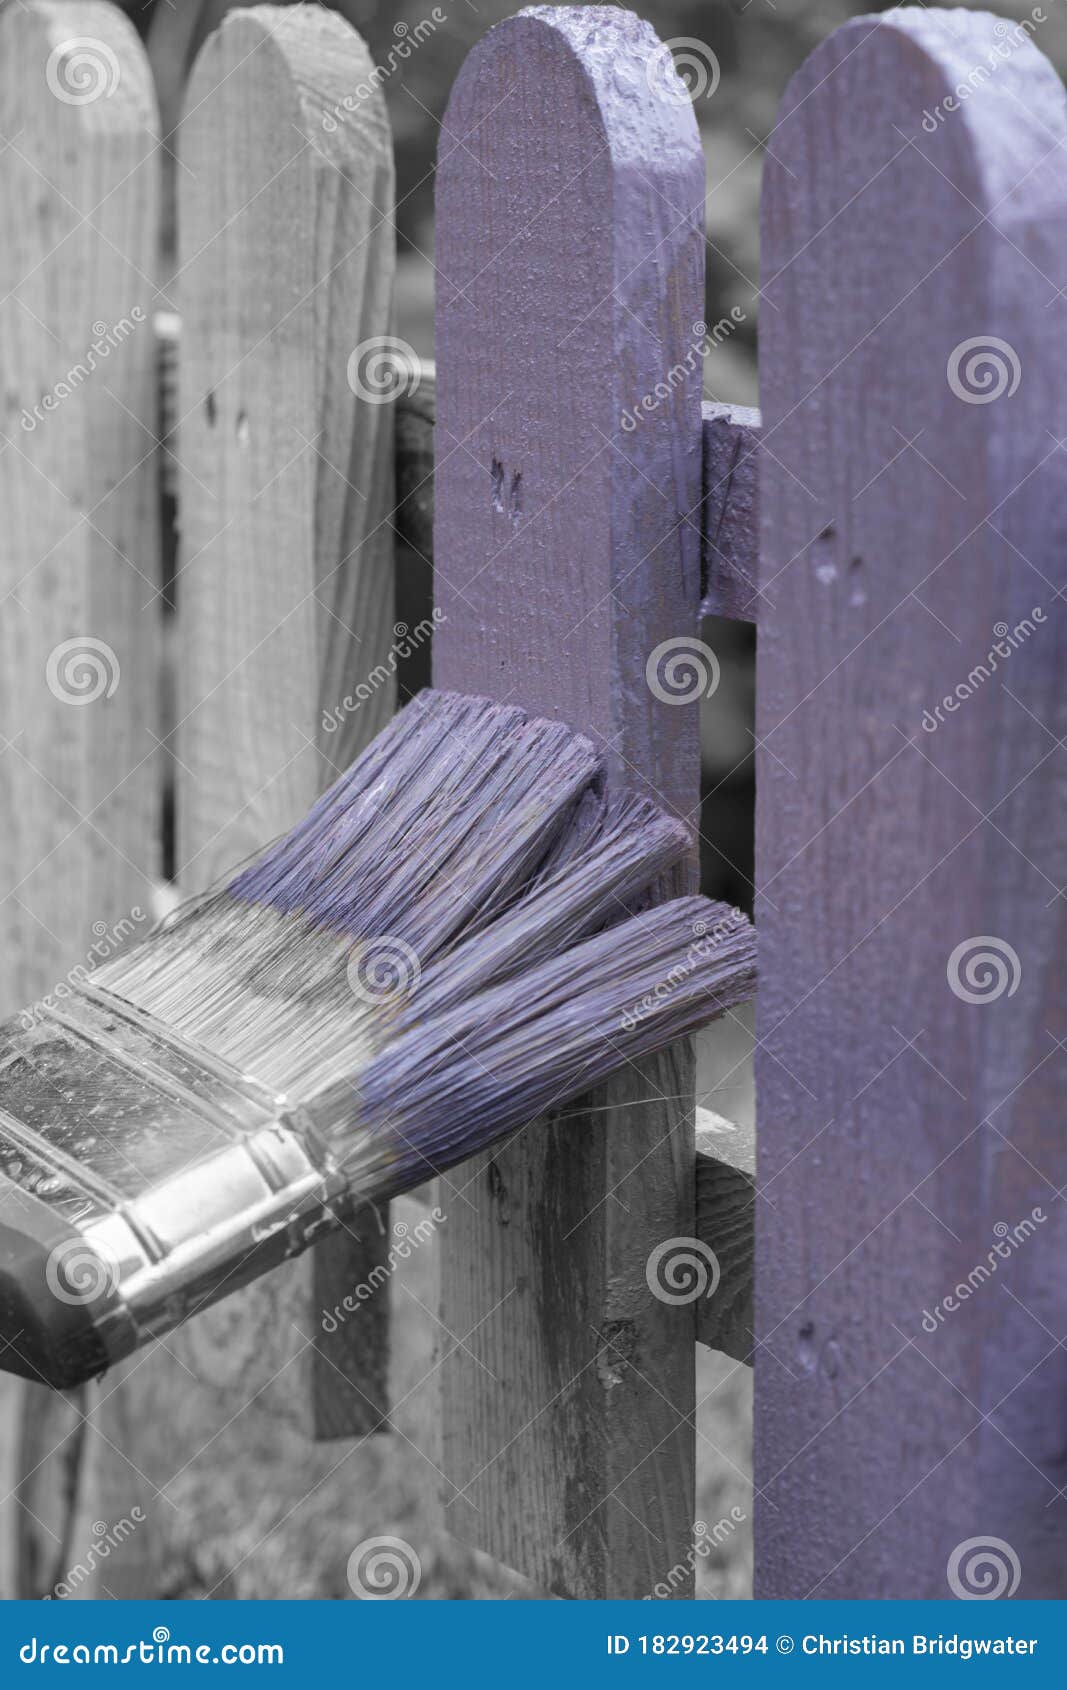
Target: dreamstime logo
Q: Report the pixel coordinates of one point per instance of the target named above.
(105, 1539)
(680, 1270)
(383, 1569)
(704, 342)
(1006, 640)
(383, 369)
(107, 338)
(79, 1272)
(981, 1569)
(81, 670)
(984, 968)
(82, 70)
(407, 641)
(1008, 1240)
(682, 670)
(706, 941)
(706, 1539)
(1010, 36)
(107, 940)
(407, 37)
(683, 69)
(383, 970)
(406, 1240)
(982, 369)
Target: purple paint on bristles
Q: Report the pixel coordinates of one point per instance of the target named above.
(485, 842)
(455, 940)
(434, 829)
(501, 1057)
(599, 873)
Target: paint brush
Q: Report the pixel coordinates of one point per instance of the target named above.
(457, 938)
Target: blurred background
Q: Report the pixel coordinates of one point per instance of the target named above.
(303, 1531)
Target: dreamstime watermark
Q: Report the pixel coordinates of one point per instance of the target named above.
(406, 642)
(1006, 641)
(408, 37)
(108, 939)
(156, 1651)
(683, 69)
(705, 1539)
(406, 1240)
(383, 970)
(705, 940)
(1009, 1239)
(105, 1539)
(107, 337)
(982, 369)
(78, 1272)
(383, 1569)
(81, 70)
(982, 1569)
(81, 670)
(682, 670)
(383, 369)
(983, 968)
(682, 1270)
(704, 342)
(1011, 36)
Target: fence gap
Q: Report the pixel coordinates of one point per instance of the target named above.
(914, 509)
(567, 550)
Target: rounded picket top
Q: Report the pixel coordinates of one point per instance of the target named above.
(80, 64)
(913, 362)
(569, 264)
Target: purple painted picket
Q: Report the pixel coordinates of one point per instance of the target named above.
(910, 848)
(569, 271)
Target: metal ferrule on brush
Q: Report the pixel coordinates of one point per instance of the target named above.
(140, 1180)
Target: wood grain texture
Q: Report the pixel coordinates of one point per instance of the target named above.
(914, 506)
(284, 598)
(78, 572)
(285, 569)
(78, 184)
(284, 587)
(729, 520)
(569, 255)
(729, 513)
(725, 1218)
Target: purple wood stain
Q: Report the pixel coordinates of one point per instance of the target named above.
(567, 549)
(914, 506)
(569, 284)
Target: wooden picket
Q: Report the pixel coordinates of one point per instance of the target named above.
(913, 508)
(79, 571)
(284, 597)
(285, 571)
(895, 518)
(565, 555)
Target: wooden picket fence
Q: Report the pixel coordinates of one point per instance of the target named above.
(907, 509)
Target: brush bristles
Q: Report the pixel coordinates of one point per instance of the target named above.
(451, 941)
(436, 837)
(503, 1057)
